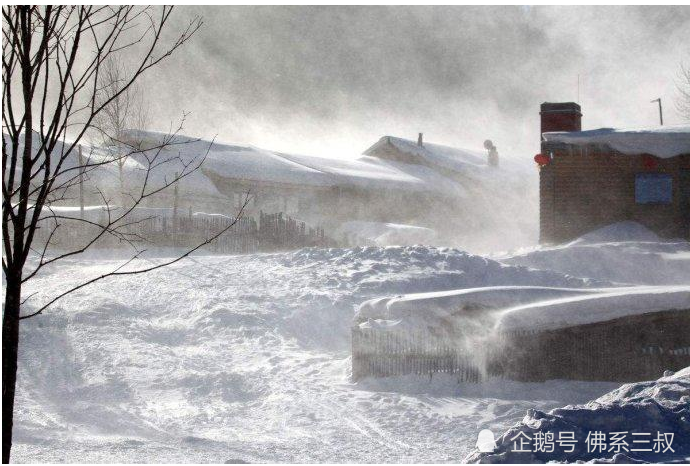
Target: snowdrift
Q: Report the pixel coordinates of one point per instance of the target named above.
(660, 406)
(625, 253)
(386, 234)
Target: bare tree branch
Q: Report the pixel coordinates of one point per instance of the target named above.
(56, 61)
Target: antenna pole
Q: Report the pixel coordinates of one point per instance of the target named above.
(661, 113)
(578, 89)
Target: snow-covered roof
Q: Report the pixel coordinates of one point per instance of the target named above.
(434, 154)
(370, 172)
(605, 305)
(255, 164)
(661, 141)
(526, 307)
(468, 163)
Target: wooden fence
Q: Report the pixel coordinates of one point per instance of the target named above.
(146, 228)
(626, 349)
(378, 353)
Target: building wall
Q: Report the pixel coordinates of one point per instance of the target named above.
(581, 190)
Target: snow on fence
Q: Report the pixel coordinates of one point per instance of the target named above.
(156, 227)
(638, 347)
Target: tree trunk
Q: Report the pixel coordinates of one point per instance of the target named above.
(10, 345)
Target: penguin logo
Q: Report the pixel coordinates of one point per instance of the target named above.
(486, 442)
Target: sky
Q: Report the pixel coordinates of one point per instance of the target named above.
(330, 81)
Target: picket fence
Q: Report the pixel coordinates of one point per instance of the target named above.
(626, 349)
(145, 228)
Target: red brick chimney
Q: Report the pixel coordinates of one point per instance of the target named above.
(562, 116)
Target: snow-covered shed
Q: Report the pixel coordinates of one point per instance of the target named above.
(593, 178)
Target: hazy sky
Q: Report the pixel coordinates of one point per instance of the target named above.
(331, 80)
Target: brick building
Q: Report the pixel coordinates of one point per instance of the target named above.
(589, 179)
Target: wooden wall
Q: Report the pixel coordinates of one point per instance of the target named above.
(586, 189)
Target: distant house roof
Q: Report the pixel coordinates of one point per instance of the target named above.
(250, 163)
(661, 141)
(450, 158)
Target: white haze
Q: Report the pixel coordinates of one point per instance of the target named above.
(330, 81)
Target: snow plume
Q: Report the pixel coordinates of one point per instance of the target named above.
(332, 80)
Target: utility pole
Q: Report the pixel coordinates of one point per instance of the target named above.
(661, 114)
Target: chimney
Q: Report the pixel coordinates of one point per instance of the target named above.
(561, 116)
(420, 140)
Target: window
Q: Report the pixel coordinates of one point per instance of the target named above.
(653, 188)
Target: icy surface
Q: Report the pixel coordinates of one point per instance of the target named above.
(646, 407)
(661, 141)
(247, 357)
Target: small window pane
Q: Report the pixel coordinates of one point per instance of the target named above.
(653, 188)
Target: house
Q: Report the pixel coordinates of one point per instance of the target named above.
(589, 179)
(454, 195)
(404, 182)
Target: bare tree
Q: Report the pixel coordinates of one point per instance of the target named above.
(124, 109)
(683, 98)
(53, 59)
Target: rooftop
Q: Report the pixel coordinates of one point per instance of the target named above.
(661, 141)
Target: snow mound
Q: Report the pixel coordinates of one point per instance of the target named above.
(387, 234)
(660, 406)
(621, 231)
(625, 253)
(396, 270)
(661, 141)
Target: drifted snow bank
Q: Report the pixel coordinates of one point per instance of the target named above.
(661, 141)
(387, 234)
(625, 253)
(615, 232)
(661, 406)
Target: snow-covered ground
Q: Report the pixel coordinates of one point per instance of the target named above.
(226, 358)
(247, 357)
